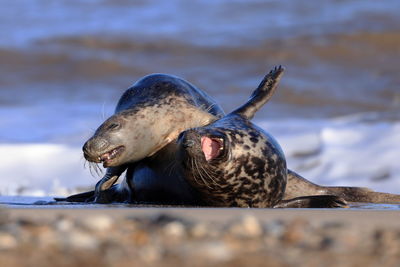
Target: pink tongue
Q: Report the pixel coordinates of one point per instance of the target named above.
(210, 147)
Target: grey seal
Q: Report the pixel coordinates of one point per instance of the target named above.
(140, 138)
(234, 163)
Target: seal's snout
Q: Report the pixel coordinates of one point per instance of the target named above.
(186, 139)
(188, 143)
(93, 147)
(100, 150)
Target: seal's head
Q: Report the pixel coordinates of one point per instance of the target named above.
(108, 144)
(204, 153)
(231, 162)
(139, 132)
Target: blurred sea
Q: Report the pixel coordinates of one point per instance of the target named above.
(64, 64)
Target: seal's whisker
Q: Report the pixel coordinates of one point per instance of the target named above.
(94, 169)
(91, 170)
(171, 167)
(99, 171)
(209, 176)
(211, 170)
(194, 171)
(210, 107)
(201, 176)
(103, 113)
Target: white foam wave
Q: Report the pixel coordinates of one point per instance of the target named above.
(347, 151)
(42, 169)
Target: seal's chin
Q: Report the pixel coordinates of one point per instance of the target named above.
(212, 147)
(111, 156)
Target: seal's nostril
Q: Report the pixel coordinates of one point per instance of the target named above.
(188, 143)
(95, 145)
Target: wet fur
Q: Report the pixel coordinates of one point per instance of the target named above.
(251, 173)
(147, 120)
(156, 176)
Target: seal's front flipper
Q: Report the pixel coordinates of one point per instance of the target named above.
(81, 197)
(110, 178)
(113, 194)
(315, 202)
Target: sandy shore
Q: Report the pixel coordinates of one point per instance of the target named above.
(118, 235)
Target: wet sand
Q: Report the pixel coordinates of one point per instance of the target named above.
(120, 235)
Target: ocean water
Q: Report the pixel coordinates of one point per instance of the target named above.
(64, 65)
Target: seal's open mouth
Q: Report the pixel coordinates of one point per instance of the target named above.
(212, 147)
(109, 156)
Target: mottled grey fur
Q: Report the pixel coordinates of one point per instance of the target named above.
(250, 168)
(142, 133)
(142, 138)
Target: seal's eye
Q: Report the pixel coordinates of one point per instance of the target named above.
(113, 126)
(212, 147)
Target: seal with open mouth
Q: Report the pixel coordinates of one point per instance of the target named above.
(234, 163)
(140, 138)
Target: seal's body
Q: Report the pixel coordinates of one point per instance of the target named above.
(234, 163)
(140, 139)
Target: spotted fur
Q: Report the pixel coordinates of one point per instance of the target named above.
(254, 176)
(251, 171)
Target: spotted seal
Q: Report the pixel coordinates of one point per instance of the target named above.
(234, 163)
(140, 139)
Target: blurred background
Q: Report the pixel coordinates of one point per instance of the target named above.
(64, 64)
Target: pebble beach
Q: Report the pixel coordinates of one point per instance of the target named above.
(159, 236)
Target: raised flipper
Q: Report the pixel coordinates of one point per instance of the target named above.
(313, 202)
(261, 95)
(298, 186)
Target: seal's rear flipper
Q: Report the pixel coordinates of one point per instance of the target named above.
(362, 194)
(298, 186)
(316, 202)
(82, 197)
(261, 95)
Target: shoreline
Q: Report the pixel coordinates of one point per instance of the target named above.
(362, 218)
